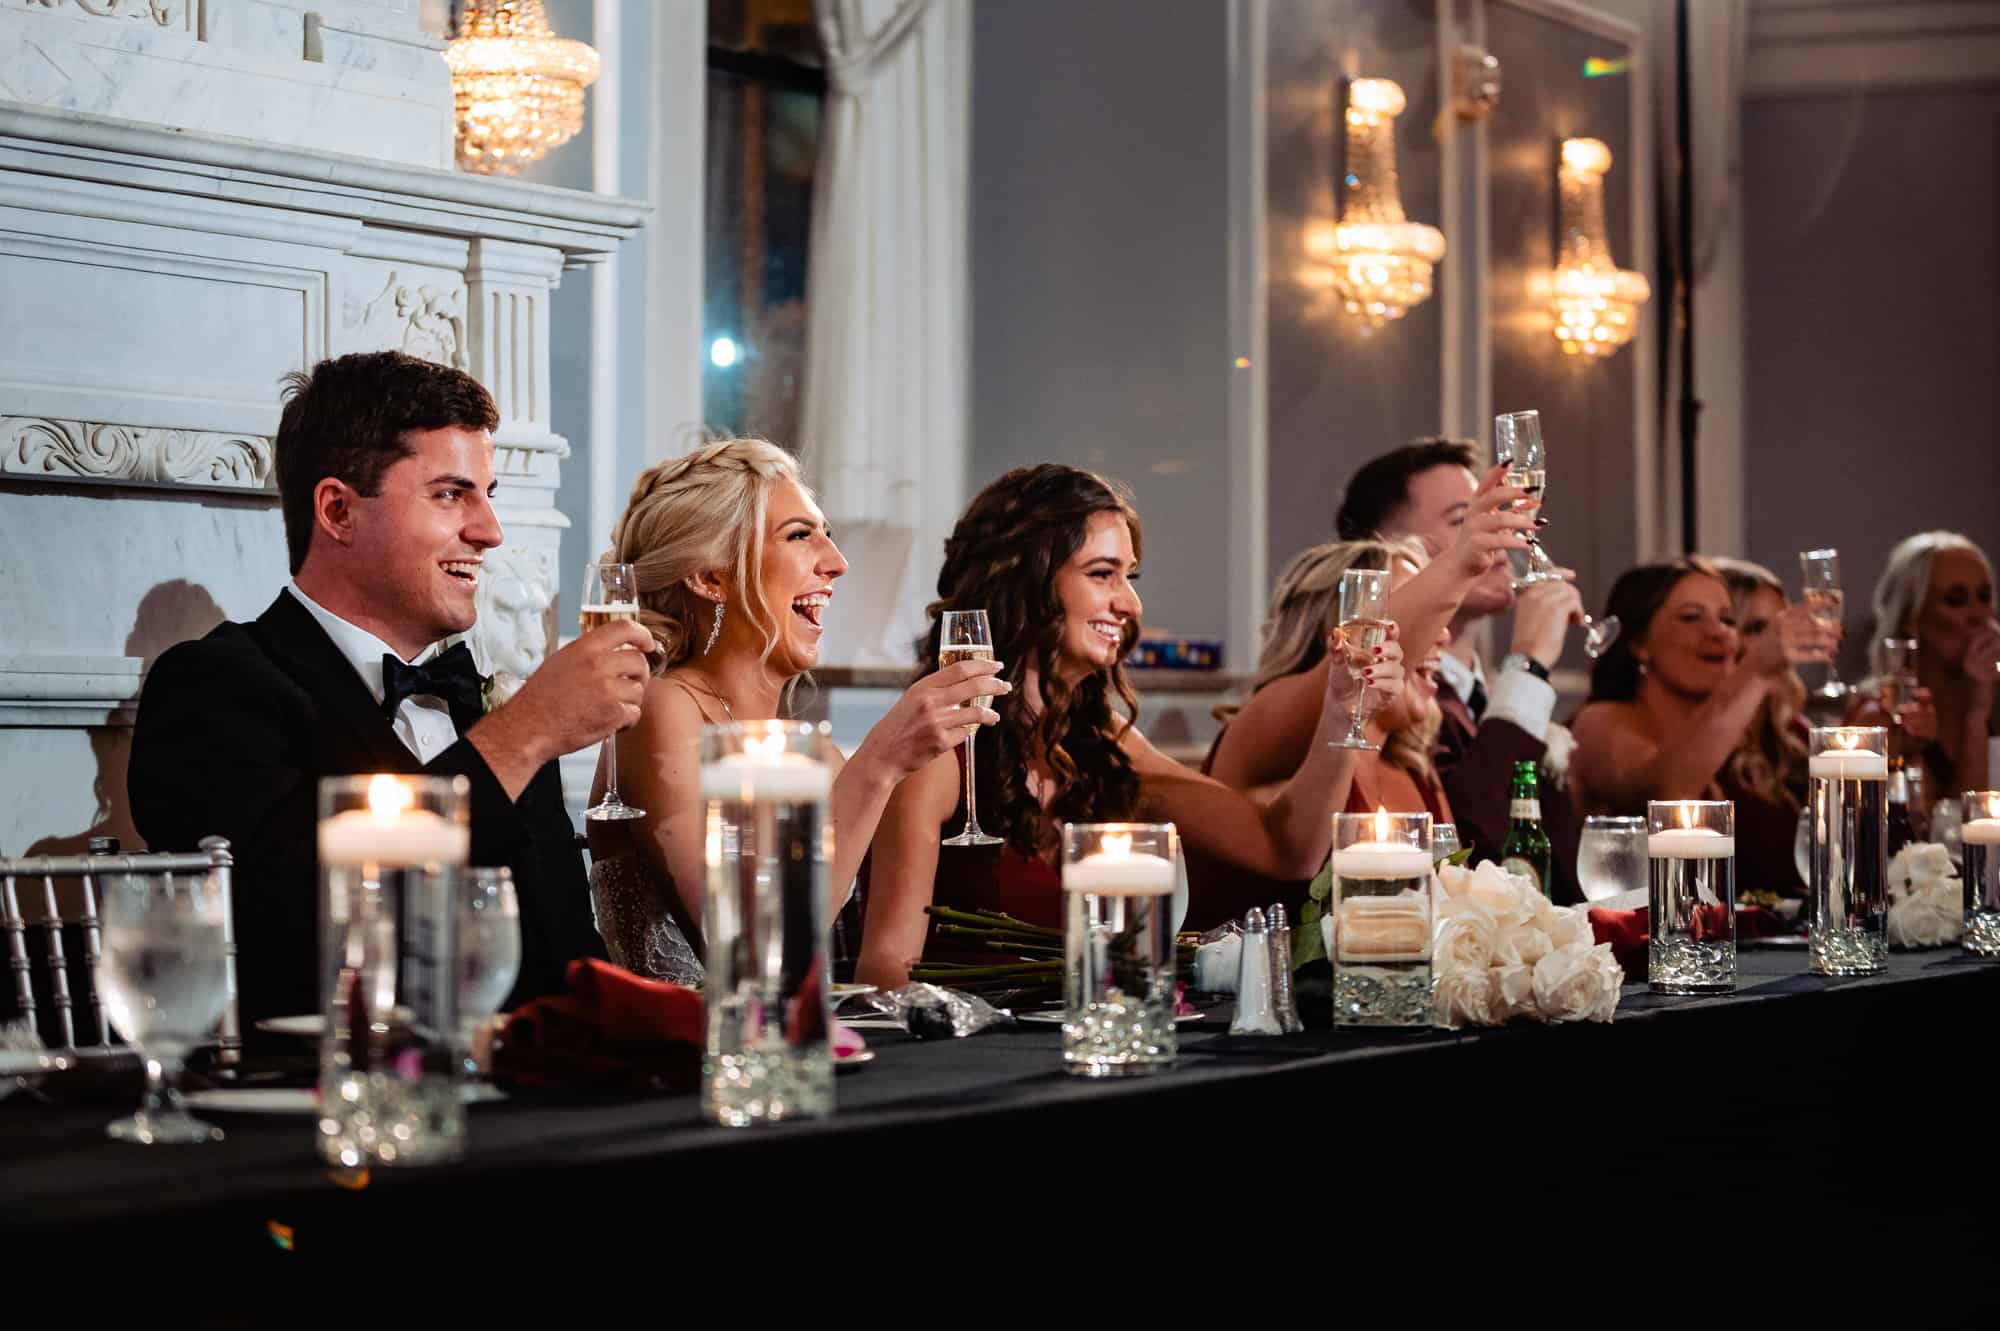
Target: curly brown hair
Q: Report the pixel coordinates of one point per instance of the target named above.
(1004, 555)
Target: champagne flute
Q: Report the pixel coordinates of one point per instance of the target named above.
(610, 591)
(1518, 446)
(1364, 623)
(163, 975)
(1820, 572)
(1599, 634)
(489, 953)
(965, 635)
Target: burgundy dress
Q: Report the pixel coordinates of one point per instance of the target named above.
(1219, 891)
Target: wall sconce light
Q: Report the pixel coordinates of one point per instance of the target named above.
(1596, 303)
(518, 88)
(1381, 262)
(1475, 83)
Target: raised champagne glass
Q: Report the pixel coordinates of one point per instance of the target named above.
(1819, 570)
(610, 592)
(965, 635)
(1518, 446)
(1364, 624)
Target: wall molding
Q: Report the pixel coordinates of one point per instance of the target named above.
(1805, 48)
(102, 451)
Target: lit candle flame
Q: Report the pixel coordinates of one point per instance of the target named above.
(1115, 845)
(388, 798)
(1381, 823)
(1847, 740)
(1687, 816)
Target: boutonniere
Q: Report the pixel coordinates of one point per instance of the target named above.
(496, 691)
(1556, 752)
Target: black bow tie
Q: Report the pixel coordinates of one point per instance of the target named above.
(449, 675)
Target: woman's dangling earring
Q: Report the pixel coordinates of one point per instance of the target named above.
(715, 631)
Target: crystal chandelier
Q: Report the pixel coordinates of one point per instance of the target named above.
(518, 87)
(1381, 262)
(1596, 303)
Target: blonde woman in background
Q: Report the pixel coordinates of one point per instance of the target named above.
(1398, 776)
(1937, 587)
(736, 571)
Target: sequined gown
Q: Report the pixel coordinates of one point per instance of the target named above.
(639, 931)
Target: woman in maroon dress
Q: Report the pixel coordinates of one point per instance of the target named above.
(1051, 554)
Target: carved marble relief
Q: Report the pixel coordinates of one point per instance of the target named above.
(515, 599)
(165, 13)
(96, 450)
(426, 320)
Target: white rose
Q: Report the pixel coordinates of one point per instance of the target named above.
(1508, 896)
(1921, 866)
(499, 689)
(1326, 933)
(1514, 992)
(1926, 918)
(1572, 985)
(1523, 945)
(1454, 879)
(1570, 925)
(1464, 998)
(1464, 943)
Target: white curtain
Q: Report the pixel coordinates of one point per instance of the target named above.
(883, 420)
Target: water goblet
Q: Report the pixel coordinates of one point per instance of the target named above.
(163, 976)
(489, 954)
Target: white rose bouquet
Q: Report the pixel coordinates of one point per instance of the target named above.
(1926, 897)
(1502, 951)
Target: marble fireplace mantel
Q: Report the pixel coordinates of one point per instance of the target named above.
(155, 283)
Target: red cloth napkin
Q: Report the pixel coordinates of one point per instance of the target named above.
(613, 1031)
(1628, 932)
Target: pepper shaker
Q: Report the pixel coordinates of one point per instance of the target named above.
(1254, 1014)
(1281, 972)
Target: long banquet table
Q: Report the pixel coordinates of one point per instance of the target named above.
(1796, 1098)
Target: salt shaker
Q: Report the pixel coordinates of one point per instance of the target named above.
(1281, 972)
(1254, 1014)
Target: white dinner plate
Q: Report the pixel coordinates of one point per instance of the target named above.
(840, 993)
(855, 1059)
(1054, 1017)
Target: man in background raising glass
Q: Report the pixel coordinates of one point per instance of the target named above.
(1423, 489)
(385, 479)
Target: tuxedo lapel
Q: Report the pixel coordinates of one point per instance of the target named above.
(352, 733)
(1455, 708)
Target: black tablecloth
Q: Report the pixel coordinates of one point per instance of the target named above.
(1765, 1112)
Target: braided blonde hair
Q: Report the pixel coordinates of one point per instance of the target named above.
(703, 512)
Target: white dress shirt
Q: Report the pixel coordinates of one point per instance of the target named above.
(1516, 696)
(423, 722)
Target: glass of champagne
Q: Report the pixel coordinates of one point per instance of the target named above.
(1518, 446)
(489, 953)
(610, 591)
(163, 976)
(1820, 572)
(965, 635)
(1364, 625)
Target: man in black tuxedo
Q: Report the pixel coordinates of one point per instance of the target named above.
(385, 477)
(1423, 489)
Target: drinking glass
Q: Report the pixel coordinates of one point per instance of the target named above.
(1364, 623)
(489, 953)
(1691, 848)
(163, 976)
(1599, 634)
(964, 635)
(610, 591)
(1444, 842)
(1981, 834)
(1118, 948)
(1382, 919)
(1518, 446)
(1819, 571)
(1611, 857)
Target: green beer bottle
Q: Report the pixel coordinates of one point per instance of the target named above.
(1526, 849)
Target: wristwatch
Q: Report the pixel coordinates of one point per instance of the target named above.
(1523, 661)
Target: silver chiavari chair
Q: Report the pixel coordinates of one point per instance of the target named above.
(38, 874)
